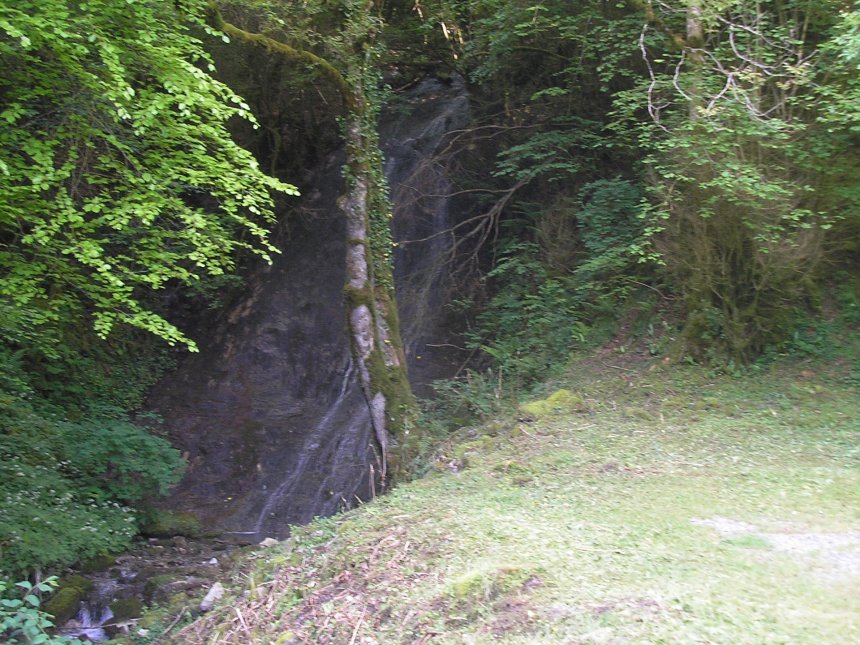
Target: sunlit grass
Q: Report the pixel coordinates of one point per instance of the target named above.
(679, 508)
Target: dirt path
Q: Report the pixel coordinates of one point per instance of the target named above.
(834, 556)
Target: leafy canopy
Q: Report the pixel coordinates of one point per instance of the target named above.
(117, 172)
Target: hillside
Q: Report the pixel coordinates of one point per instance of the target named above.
(650, 503)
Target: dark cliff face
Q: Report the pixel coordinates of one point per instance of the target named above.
(269, 412)
(256, 409)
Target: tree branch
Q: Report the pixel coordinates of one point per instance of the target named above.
(216, 20)
(645, 7)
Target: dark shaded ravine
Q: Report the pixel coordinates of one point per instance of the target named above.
(269, 413)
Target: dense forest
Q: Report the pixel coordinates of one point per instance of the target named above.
(681, 174)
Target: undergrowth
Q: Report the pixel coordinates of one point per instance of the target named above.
(74, 464)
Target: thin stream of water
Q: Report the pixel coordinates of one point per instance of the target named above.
(310, 449)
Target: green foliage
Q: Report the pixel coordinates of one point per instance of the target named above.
(568, 236)
(747, 184)
(531, 324)
(827, 333)
(611, 228)
(554, 155)
(120, 458)
(548, 49)
(611, 215)
(543, 310)
(746, 140)
(85, 375)
(22, 619)
(472, 398)
(842, 57)
(117, 172)
(65, 486)
(119, 178)
(475, 396)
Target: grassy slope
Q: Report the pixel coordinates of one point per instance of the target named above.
(581, 528)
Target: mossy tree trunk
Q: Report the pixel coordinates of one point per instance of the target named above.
(369, 290)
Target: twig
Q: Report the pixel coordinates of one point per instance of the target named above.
(173, 624)
(526, 432)
(615, 367)
(464, 349)
(357, 627)
(654, 289)
(242, 621)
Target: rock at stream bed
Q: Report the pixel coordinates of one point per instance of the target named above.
(64, 604)
(161, 523)
(214, 595)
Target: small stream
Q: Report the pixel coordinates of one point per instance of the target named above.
(154, 571)
(93, 617)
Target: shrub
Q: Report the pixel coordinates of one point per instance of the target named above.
(65, 487)
(21, 617)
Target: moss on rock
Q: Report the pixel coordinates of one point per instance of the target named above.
(126, 609)
(156, 583)
(98, 563)
(65, 604)
(84, 584)
(163, 524)
(559, 402)
(486, 584)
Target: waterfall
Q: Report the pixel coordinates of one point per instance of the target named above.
(312, 448)
(269, 412)
(417, 174)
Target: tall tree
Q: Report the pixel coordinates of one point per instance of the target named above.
(118, 175)
(738, 160)
(118, 178)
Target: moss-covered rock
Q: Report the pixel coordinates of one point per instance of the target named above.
(65, 604)
(126, 609)
(638, 413)
(559, 402)
(156, 583)
(488, 583)
(160, 523)
(153, 619)
(82, 583)
(479, 445)
(96, 564)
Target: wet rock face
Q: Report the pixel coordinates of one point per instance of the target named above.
(270, 413)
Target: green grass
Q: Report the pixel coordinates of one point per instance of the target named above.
(674, 507)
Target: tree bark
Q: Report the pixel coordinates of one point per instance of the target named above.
(695, 43)
(372, 315)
